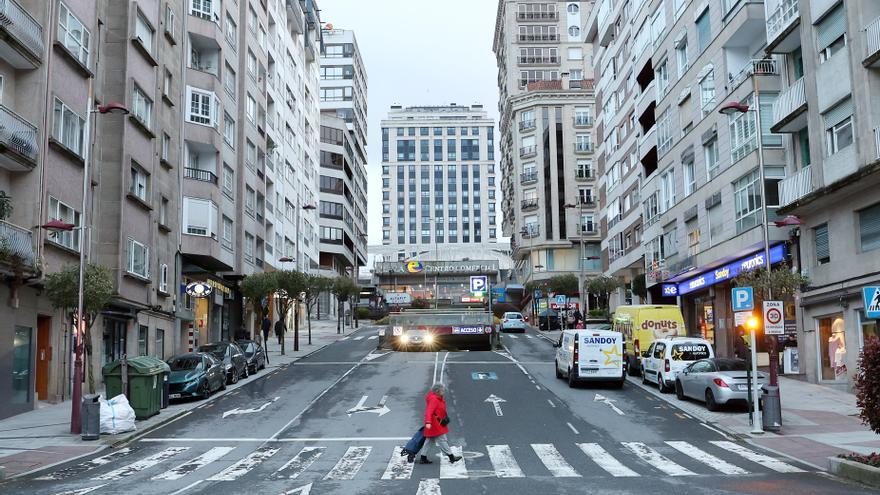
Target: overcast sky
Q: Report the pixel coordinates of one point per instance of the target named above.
(418, 52)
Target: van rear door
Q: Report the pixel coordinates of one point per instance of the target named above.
(601, 354)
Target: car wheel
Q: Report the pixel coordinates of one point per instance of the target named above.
(661, 384)
(679, 391)
(234, 378)
(245, 372)
(558, 373)
(710, 400)
(572, 380)
(644, 376)
(223, 385)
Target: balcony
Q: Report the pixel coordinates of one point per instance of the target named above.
(537, 60)
(22, 36)
(783, 27)
(584, 174)
(790, 109)
(758, 67)
(872, 44)
(583, 121)
(295, 20)
(537, 16)
(795, 187)
(529, 204)
(18, 142)
(538, 38)
(528, 177)
(647, 143)
(583, 147)
(527, 151)
(586, 201)
(527, 125)
(588, 229)
(17, 253)
(200, 175)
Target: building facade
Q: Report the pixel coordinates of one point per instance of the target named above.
(438, 178)
(549, 184)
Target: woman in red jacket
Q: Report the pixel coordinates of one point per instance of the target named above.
(435, 424)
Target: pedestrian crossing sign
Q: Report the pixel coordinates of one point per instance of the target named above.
(872, 301)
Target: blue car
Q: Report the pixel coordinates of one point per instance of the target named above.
(195, 375)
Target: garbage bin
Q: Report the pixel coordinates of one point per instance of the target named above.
(145, 383)
(90, 417)
(771, 417)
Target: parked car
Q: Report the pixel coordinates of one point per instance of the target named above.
(590, 355)
(548, 319)
(232, 358)
(717, 381)
(665, 358)
(513, 322)
(254, 354)
(195, 375)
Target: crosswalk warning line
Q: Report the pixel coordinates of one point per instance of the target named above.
(372, 337)
(529, 337)
(430, 486)
(300, 462)
(87, 465)
(398, 468)
(189, 466)
(359, 338)
(657, 460)
(606, 461)
(764, 460)
(142, 464)
(553, 461)
(350, 463)
(503, 462)
(450, 471)
(245, 465)
(706, 458)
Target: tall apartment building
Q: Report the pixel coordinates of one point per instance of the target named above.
(343, 181)
(223, 125)
(438, 179)
(549, 178)
(828, 113)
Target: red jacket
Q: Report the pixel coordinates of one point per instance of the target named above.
(435, 410)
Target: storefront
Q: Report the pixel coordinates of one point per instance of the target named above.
(447, 281)
(209, 300)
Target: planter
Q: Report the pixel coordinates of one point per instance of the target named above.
(855, 471)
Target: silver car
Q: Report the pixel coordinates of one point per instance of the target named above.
(513, 322)
(717, 381)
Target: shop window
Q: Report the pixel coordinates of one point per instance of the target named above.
(22, 371)
(832, 344)
(868, 328)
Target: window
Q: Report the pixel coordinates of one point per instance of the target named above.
(574, 32)
(66, 214)
(831, 33)
(202, 8)
(139, 182)
(166, 147)
(67, 127)
(228, 129)
(839, 126)
(143, 336)
(163, 278)
(249, 242)
(143, 32)
(662, 78)
(229, 80)
(250, 200)
(199, 217)
(747, 201)
(231, 32)
(73, 35)
(228, 233)
(704, 31)
(251, 109)
(167, 84)
(869, 228)
(228, 180)
(202, 107)
(252, 64)
(707, 93)
(681, 55)
(573, 8)
(667, 190)
(693, 233)
(690, 178)
(713, 164)
(138, 259)
(658, 23)
(142, 107)
(823, 248)
(160, 344)
(163, 212)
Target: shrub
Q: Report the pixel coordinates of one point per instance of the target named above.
(868, 384)
(870, 459)
(363, 313)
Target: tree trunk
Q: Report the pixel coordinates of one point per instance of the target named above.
(338, 317)
(295, 326)
(310, 323)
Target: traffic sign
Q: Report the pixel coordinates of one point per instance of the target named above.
(872, 301)
(743, 299)
(560, 299)
(538, 294)
(774, 323)
(479, 283)
(740, 317)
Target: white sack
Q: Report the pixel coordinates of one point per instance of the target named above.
(117, 416)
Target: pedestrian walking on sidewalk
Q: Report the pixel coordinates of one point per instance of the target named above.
(436, 425)
(279, 330)
(740, 348)
(266, 325)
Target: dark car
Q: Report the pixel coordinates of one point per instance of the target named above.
(548, 319)
(195, 375)
(232, 357)
(254, 353)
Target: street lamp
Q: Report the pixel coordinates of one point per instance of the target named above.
(583, 253)
(752, 324)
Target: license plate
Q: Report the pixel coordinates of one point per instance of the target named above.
(591, 371)
(742, 387)
(173, 396)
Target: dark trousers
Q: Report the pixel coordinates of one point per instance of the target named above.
(266, 338)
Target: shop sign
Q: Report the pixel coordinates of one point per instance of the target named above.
(731, 270)
(218, 286)
(398, 298)
(198, 289)
(670, 290)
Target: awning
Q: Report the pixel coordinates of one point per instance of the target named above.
(720, 271)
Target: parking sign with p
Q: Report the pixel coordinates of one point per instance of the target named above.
(479, 283)
(743, 299)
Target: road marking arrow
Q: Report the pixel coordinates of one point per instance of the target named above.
(496, 402)
(233, 412)
(609, 402)
(303, 490)
(381, 409)
(371, 356)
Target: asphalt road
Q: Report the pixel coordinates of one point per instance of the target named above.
(333, 423)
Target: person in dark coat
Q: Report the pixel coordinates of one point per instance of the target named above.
(266, 326)
(740, 348)
(279, 330)
(436, 422)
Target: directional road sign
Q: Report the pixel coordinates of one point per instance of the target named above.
(774, 323)
(743, 299)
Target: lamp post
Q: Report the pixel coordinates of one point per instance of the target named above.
(755, 413)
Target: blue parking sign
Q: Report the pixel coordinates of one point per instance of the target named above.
(743, 299)
(479, 283)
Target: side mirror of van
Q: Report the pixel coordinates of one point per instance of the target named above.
(645, 354)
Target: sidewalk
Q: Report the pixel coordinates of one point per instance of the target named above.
(41, 438)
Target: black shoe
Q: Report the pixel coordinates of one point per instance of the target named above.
(453, 458)
(410, 458)
(424, 460)
(403, 452)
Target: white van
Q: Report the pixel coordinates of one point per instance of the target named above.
(590, 355)
(666, 357)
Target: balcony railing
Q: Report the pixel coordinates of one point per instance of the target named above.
(758, 67)
(18, 136)
(527, 177)
(872, 45)
(537, 16)
(781, 18)
(538, 60)
(584, 174)
(588, 229)
(586, 200)
(789, 104)
(583, 147)
(199, 174)
(528, 150)
(23, 27)
(795, 187)
(529, 204)
(533, 38)
(525, 125)
(583, 120)
(16, 245)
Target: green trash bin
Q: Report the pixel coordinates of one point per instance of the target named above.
(145, 383)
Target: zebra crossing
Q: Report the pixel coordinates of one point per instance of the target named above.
(286, 461)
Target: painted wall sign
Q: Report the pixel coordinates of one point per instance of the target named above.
(731, 270)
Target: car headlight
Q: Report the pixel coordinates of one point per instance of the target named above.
(429, 338)
(404, 338)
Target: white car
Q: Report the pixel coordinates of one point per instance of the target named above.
(513, 322)
(590, 355)
(665, 359)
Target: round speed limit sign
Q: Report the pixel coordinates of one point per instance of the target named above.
(773, 316)
(773, 320)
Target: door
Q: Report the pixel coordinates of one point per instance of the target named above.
(44, 356)
(657, 360)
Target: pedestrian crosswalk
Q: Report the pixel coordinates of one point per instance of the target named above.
(337, 462)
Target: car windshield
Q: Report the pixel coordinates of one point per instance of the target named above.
(187, 363)
(513, 316)
(598, 326)
(215, 349)
(689, 352)
(731, 365)
(248, 347)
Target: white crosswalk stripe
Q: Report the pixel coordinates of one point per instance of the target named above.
(372, 337)
(430, 486)
(606, 461)
(300, 462)
(764, 460)
(503, 462)
(87, 466)
(245, 465)
(350, 463)
(192, 465)
(553, 461)
(344, 338)
(706, 458)
(657, 460)
(359, 338)
(529, 337)
(142, 464)
(450, 470)
(512, 336)
(398, 468)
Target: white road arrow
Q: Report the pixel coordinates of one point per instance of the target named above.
(496, 402)
(609, 402)
(371, 356)
(303, 490)
(381, 409)
(233, 412)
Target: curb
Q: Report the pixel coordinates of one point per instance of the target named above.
(854, 471)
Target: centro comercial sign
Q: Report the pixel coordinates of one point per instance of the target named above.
(436, 267)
